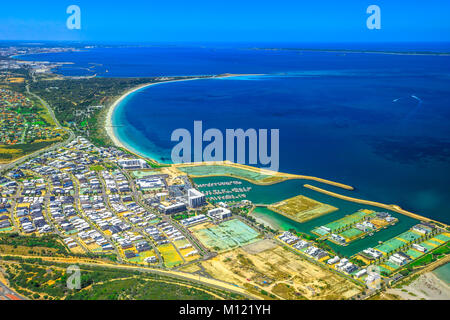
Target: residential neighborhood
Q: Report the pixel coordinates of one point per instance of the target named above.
(103, 201)
(20, 123)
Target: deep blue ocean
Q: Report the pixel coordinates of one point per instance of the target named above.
(379, 122)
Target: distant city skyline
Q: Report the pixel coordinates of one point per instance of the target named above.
(225, 21)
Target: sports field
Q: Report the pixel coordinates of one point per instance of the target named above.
(389, 267)
(8, 229)
(443, 237)
(390, 245)
(409, 236)
(351, 234)
(227, 235)
(413, 253)
(430, 244)
(427, 245)
(319, 232)
(140, 174)
(399, 241)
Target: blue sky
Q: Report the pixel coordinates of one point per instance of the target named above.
(227, 20)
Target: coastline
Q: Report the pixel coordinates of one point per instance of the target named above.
(442, 273)
(108, 124)
(108, 120)
(109, 116)
(427, 286)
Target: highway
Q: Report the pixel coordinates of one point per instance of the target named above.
(7, 293)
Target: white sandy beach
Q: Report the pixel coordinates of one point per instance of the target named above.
(108, 120)
(428, 286)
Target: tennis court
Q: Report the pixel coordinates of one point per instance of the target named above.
(351, 233)
(409, 236)
(427, 245)
(414, 254)
(402, 239)
(390, 245)
(443, 236)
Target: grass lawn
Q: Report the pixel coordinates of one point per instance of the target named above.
(170, 255)
(96, 168)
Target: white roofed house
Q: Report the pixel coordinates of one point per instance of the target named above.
(399, 259)
(419, 247)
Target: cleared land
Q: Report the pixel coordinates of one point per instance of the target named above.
(278, 272)
(301, 208)
(427, 286)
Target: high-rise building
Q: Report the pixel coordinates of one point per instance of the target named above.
(196, 198)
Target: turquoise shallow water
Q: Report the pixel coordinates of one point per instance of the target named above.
(287, 189)
(443, 273)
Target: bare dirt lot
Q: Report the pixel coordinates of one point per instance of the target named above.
(301, 208)
(263, 266)
(260, 246)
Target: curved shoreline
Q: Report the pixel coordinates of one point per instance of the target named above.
(109, 121)
(108, 124)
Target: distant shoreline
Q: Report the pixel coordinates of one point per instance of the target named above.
(406, 53)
